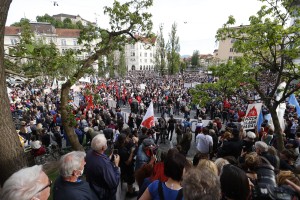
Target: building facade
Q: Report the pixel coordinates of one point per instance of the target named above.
(140, 56)
(226, 51)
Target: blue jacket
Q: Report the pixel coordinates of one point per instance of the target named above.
(102, 175)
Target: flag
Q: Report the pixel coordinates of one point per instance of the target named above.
(259, 121)
(293, 101)
(148, 119)
(54, 84)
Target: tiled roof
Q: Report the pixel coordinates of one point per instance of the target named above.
(42, 28)
(12, 30)
(61, 32)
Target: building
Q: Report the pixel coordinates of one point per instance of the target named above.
(73, 18)
(226, 51)
(140, 55)
(64, 39)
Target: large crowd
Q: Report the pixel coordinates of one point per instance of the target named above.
(230, 163)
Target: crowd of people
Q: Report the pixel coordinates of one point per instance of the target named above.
(230, 163)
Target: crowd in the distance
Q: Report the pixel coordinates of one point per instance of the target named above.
(230, 163)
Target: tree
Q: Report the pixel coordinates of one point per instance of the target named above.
(173, 48)
(21, 22)
(122, 69)
(12, 157)
(269, 47)
(195, 58)
(33, 56)
(160, 55)
(127, 19)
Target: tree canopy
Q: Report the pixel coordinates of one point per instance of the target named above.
(173, 48)
(269, 46)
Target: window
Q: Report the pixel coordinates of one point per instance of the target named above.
(132, 46)
(230, 58)
(150, 54)
(14, 41)
(231, 50)
(75, 42)
(145, 60)
(232, 40)
(150, 60)
(140, 60)
(132, 53)
(145, 54)
(141, 67)
(63, 42)
(141, 54)
(144, 67)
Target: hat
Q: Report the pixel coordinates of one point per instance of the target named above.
(148, 142)
(86, 129)
(251, 135)
(23, 123)
(35, 144)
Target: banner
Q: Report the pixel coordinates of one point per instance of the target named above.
(252, 114)
(112, 103)
(76, 101)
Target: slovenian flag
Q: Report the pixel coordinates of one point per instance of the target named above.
(293, 101)
(148, 119)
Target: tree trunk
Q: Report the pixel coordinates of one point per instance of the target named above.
(65, 116)
(277, 129)
(12, 157)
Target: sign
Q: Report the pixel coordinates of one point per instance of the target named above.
(187, 85)
(142, 86)
(252, 115)
(76, 101)
(112, 103)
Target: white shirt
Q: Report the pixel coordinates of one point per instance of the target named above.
(203, 142)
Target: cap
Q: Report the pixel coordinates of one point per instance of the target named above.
(148, 142)
(251, 135)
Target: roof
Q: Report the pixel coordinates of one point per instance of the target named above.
(42, 27)
(65, 15)
(12, 30)
(61, 32)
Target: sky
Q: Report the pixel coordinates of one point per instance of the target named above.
(197, 20)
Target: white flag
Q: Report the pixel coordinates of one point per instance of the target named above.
(148, 119)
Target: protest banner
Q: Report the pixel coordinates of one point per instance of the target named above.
(252, 114)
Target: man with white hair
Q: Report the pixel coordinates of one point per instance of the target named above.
(261, 149)
(28, 183)
(68, 185)
(102, 173)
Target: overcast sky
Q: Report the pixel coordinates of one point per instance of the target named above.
(202, 17)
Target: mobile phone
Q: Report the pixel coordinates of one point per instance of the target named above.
(115, 152)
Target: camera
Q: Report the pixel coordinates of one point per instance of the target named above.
(267, 189)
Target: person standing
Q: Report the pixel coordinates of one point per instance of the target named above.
(171, 127)
(204, 142)
(179, 131)
(102, 173)
(69, 185)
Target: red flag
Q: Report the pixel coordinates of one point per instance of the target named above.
(148, 119)
(89, 100)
